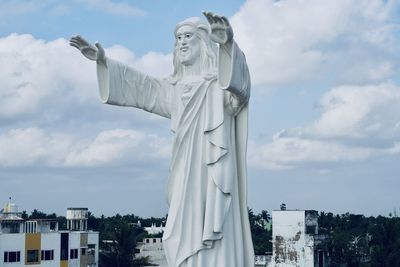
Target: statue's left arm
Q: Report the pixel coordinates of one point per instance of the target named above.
(233, 73)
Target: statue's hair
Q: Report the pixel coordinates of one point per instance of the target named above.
(208, 50)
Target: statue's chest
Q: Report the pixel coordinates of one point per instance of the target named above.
(188, 90)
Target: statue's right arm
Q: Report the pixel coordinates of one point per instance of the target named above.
(125, 86)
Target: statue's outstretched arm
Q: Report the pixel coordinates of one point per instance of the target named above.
(124, 86)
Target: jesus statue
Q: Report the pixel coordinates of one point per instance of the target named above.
(206, 99)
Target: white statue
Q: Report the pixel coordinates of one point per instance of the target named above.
(206, 99)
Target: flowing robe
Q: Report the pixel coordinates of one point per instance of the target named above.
(207, 221)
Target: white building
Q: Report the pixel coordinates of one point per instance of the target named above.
(293, 237)
(39, 242)
(154, 229)
(151, 247)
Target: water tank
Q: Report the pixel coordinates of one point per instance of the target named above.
(77, 213)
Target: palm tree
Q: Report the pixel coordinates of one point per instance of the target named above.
(119, 252)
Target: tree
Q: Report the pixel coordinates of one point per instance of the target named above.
(260, 234)
(119, 252)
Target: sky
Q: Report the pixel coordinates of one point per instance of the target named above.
(324, 121)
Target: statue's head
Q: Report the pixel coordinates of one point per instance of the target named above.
(194, 46)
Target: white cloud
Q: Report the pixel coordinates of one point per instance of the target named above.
(106, 147)
(23, 147)
(113, 145)
(290, 152)
(35, 146)
(359, 112)
(287, 152)
(37, 74)
(152, 63)
(293, 40)
(41, 80)
(357, 123)
(114, 8)
(345, 42)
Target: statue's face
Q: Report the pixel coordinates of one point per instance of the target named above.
(188, 45)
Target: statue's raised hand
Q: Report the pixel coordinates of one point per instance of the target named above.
(221, 30)
(92, 52)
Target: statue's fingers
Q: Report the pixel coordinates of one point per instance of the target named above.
(75, 45)
(225, 21)
(77, 39)
(99, 47)
(218, 19)
(101, 54)
(205, 13)
(81, 40)
(74, 39)
(209, 17)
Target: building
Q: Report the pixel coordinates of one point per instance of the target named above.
(151, 247)
(39, 242)
(154, 229)
(295, 239)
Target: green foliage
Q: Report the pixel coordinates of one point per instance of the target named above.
(385, 242)
(118, 238)
(359, 241)
(143, 262)
(36, 214)
(260, 232)
(119, 252)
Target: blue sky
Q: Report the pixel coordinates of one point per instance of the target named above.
(324, 128)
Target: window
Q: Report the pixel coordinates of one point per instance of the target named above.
(154, 240)
(73, 253)
(12, 256)
(83, 251)
(47, 255)
(147, 240)
(32, 256)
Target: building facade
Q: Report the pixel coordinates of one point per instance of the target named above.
(296, 242)
(39, 242)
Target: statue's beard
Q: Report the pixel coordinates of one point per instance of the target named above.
(204, 65)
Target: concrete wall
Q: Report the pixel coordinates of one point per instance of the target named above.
(93, 238)
(51, 241)
(291, 245)
(12, 242)
(153, 248)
